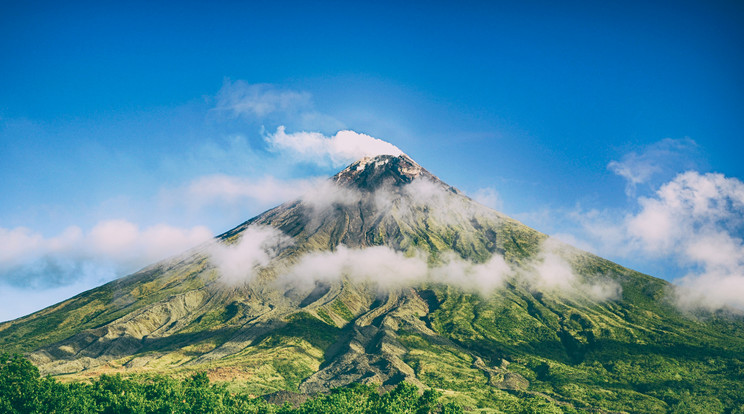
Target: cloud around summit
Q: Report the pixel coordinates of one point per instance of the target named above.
(337, 150)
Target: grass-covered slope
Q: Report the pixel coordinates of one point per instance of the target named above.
(519, 347)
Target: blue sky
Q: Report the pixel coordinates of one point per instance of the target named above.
(577, 118)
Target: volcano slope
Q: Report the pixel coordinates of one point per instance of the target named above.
(386, 274)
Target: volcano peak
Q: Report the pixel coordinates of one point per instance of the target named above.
(370, 173)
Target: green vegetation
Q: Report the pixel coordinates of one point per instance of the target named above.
(305, 326)
(340, 308)
(23, 390)
(324, 315)
(577, 356)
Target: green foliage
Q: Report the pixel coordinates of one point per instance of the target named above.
(305, 326)
(340, 308)
(22, 390)
(614, 356)
(19, 379)
(326, 318)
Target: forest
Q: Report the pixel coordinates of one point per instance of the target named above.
(24, 390)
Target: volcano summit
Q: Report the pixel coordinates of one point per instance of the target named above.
(385, 274)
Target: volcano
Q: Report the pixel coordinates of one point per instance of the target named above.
(385, 274)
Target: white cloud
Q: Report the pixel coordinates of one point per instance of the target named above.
(113, 244)
(42, 270)
(240, 262)
(694, 221)
(227, 200)
(18, 244)
(687, 208)
(338, 150)
(711, 290)
(699, 219)
(390, 269)
(124, 242)
(380, 265)
(551, 271)
(325, 194)
(439, 203)
(483, 278)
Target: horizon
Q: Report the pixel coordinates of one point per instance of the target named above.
(130, 133)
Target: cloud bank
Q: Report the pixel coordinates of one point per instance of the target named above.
(389, 269)
(548, 271)
(697, 219)
(694, 222)
(76, 260)
(115, 244)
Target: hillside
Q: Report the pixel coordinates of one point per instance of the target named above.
(387, 274)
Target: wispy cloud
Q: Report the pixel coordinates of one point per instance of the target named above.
(387, 269)
(664, 157)
(380, 265)
(241, 261)
(489, 197)
(550, 270)
(240, 98)
(230, 190)
(270, 104)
